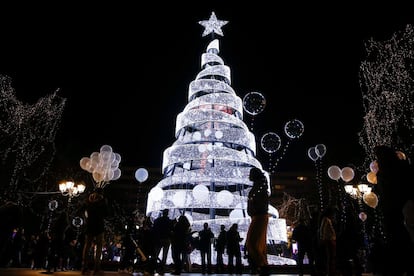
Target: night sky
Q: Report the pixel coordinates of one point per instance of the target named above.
(125, 70)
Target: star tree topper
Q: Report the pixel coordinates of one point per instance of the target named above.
(213, 25)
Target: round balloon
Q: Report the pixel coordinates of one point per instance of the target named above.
(372, 177)
(347, 174)
(141, 174)
(373, 166)
(201, 193)
(312, 154)
(254, 103)
(294, 129)
(334, 172)
(320, 150)
(362, 216)
(370, 199)
(270, 142)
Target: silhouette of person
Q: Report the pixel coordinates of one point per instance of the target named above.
(303, 236)
(162, 228)
(206, 238)
(95, 212)
(220, 246)
(327, 237)
(179, 243)
(233, 249)
(257, 209)
(393, 175)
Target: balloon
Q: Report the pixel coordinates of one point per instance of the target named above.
(106, 148)
(373, 166)
(294, 129)
(320, 150)
(270, 142)
(254, 103)
(85, 163)
(370, 199)
(362, 216)
(334, 172)
(372, 177)
(347, 174)
(312, 154)
(141, 174)
(401, 155)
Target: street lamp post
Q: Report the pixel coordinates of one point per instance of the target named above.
(70, 189)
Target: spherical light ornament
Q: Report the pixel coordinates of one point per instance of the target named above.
(294, 129)
(141, 175)
(156, 193)
(225, 198)
(77, 222)
(334, 172)
(270, 142)
(53, 204)
(362, 216)
(370, 199)
(179, 198)
(320, 150)
(254, 103)
(347, 174)
(201, 193)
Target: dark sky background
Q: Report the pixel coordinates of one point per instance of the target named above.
(125, 69)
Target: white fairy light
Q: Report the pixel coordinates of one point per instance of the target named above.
(388, 93)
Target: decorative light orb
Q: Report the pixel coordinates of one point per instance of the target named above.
(320, 150)
(201, 193)
(156, 193)
(141, 174)
(294, 129)
(207, 132)
(225, 198)
(179, 198)
(218, 134)
(334, 172)
(347, 174)
(270, 142)
(202, 148)
(254, 103)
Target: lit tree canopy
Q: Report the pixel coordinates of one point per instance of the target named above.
(386, 80)
(27, 136)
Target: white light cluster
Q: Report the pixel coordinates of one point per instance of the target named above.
(206, 170)
(388, 93)
(27, 134)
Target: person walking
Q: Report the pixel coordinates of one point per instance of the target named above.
(206, 238)
(257, 209)
(233, 250)
(96, 210)
(220, 246)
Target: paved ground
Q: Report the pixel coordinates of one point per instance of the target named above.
(29, 272)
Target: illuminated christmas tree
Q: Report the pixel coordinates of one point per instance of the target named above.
(206, 169)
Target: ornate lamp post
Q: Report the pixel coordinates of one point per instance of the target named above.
(70, 189)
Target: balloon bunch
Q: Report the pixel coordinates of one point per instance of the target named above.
(317, 152)
(103, 165)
